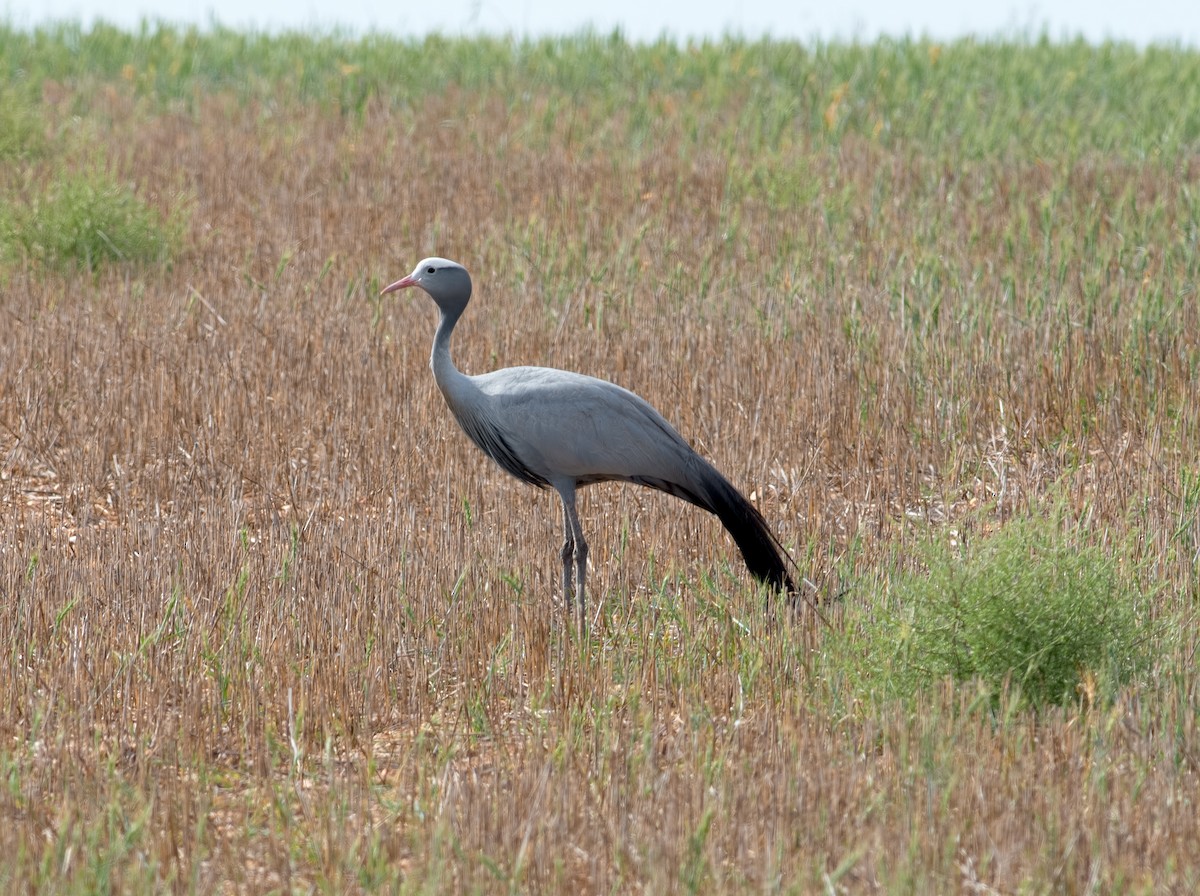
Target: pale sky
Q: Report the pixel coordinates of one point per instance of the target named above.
(1145, 21)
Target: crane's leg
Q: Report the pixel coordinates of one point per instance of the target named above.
(568, 558)
(574, 551)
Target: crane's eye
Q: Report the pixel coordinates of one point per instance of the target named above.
(430, 270)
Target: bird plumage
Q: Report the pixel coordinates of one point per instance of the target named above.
(554, 428)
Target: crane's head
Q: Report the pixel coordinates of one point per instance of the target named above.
(447, 282)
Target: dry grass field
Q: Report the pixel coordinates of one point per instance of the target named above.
(270, 623)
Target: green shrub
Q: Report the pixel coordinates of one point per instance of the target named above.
(89, 220)
(21, 130)
(1029, 609)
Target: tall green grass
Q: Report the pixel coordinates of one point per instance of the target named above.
(967, 99)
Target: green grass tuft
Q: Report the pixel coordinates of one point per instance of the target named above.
(89, 220)
(21, 128)
(1028, 609)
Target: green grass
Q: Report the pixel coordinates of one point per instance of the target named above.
(969, 99)
(21, 128)
(1031, 611)
(88, 221)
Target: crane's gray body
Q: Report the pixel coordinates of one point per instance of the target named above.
(543, 425)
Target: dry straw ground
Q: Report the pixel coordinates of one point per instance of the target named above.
(270, 623)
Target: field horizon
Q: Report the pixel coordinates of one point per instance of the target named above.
(274, 625)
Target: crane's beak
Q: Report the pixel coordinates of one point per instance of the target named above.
(402, 283)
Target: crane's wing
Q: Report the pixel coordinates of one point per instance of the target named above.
(495, 443)
(554, 424)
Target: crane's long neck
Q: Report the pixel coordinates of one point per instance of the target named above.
(448, 377)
